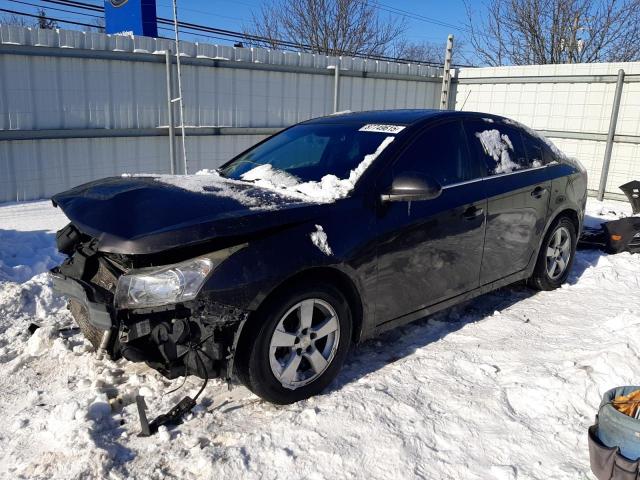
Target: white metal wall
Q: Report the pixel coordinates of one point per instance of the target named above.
(577, 106)
(61, 86)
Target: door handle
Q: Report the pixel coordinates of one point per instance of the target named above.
(472, 212)
(538, 192)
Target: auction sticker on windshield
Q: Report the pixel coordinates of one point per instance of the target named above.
(380, 128)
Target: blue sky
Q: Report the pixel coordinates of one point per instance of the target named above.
(420, 25)
(424, 18)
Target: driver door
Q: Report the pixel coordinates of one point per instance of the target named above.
(431, 250)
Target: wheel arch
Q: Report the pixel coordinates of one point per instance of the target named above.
(330, 275)
(571, 214)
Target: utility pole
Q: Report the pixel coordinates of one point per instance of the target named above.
(446, 75)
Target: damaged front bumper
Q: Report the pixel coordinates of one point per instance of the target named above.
(198, 337)
(98, 314)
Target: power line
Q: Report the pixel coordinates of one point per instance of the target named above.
(286, 44)
(56, 9)
(61, 20)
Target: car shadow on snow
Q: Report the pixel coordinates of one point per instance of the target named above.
(401, 342)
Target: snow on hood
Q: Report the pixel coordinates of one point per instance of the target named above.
(497, 146)
(328, 189)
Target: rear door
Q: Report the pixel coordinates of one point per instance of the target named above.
(431, 250)
(518, 191)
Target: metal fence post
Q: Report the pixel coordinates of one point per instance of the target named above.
(172, 133)
(446, 75)
(336, 86)
(610, 136)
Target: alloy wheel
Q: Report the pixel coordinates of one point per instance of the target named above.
(558, 253)
(304, 343)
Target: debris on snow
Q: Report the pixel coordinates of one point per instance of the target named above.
(320, 240)
(497, 146)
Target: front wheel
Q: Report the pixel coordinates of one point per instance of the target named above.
(556, 256)
(297, 344)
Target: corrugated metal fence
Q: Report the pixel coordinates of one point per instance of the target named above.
(77, 106)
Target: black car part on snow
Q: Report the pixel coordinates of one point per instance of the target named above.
(615, 236)
(632, 191)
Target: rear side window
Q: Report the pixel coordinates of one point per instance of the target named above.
(537, 153)
(500, 147)
(440, 152)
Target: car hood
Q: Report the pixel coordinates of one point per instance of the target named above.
(151, 214)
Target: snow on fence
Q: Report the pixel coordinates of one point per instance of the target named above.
(570, 104)
(77, 106)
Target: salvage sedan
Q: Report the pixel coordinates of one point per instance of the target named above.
(336, 229)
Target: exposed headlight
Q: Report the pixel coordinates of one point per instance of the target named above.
(152, 287)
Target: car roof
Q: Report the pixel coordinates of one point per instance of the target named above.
(397, 117)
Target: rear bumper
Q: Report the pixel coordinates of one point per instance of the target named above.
(99, 315)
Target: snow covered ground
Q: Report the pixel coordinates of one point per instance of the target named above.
(503, 387)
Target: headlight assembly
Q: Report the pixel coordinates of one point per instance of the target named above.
(180, 282)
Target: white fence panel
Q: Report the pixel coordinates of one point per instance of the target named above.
(565, 100)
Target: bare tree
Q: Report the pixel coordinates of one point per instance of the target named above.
(429, 52)
(97, 25)
(44, 22)
(331, 27)
(524, 32)
(15, 20)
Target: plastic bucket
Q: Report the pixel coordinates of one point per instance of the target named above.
(615, 429)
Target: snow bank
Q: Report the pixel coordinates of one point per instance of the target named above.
(501, 387)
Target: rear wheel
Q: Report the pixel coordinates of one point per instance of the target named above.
(556, 256)
(298, 344)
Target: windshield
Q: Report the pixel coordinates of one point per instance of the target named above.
(310, 152)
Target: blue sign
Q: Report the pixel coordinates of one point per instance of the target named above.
(132, 17)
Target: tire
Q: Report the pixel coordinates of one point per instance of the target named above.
(261, 365)
(80, 315)
(543, 278)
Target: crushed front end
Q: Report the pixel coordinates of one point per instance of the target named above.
(139, 308)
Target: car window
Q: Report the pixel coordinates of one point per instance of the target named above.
(499, 146)
(311, 151)
(537, 153)
(440, 152)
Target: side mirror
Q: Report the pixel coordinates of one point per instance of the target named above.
(412, 186)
